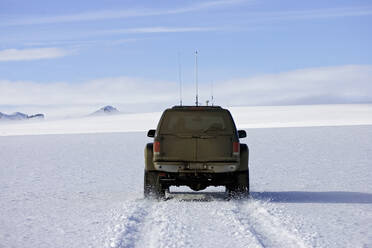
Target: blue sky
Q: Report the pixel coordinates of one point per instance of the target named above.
(75, 43)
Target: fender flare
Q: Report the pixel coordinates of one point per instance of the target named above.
(244, 157)
(149, 163)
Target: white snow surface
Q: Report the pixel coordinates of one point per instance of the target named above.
(310, 187)
(245, 117)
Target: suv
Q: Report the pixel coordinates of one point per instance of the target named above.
(196, 146)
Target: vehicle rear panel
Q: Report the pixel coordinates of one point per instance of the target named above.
(196, 136)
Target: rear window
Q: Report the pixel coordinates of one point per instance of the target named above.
(190, 122)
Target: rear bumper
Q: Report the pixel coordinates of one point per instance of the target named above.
(198, 180)
(208, 167)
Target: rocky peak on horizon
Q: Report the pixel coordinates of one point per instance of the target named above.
(106, 110)
(20, 116)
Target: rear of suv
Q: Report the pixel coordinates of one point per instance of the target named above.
(196, 146)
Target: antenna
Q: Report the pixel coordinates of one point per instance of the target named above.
(212, 99)
(180, 77)
(196, 77)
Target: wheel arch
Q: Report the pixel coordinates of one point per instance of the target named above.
(244, 157)
(149, 163)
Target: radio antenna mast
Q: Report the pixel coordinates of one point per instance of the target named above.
(196, 77)
(212, 99)
(180, 77)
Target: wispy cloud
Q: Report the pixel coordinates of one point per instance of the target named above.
(200, 6)
(91, 38)
(32, 54)
(80, 43)
(158, 30)
(341, 84)
(311, 14)
(116, 14)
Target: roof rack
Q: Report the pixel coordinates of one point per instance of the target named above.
(194, 107)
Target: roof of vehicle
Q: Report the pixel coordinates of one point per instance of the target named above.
(196, 107)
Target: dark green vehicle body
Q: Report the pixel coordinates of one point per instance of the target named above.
(196, 146)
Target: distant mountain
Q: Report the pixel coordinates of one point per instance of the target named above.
(19, 116)
(106, 110)
(36, 116)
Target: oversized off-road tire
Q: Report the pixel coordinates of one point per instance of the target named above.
(152, 186)
(240, 186)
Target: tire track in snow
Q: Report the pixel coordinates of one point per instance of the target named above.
(177, 223)
(125, 231)
(214, 223)
(164, 229)
(267, 228)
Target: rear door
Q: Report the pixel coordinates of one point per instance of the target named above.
(196, 135)
(178, 147)
(214, 148)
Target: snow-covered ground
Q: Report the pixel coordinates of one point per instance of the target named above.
(311, 187)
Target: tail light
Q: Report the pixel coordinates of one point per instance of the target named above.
(236, 148)
(156, 147)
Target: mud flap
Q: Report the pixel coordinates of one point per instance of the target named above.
(240, 188)
(153, 188)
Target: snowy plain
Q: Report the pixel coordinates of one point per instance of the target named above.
(73, 183)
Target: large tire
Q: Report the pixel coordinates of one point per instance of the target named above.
(152, 186)
(240, 187)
